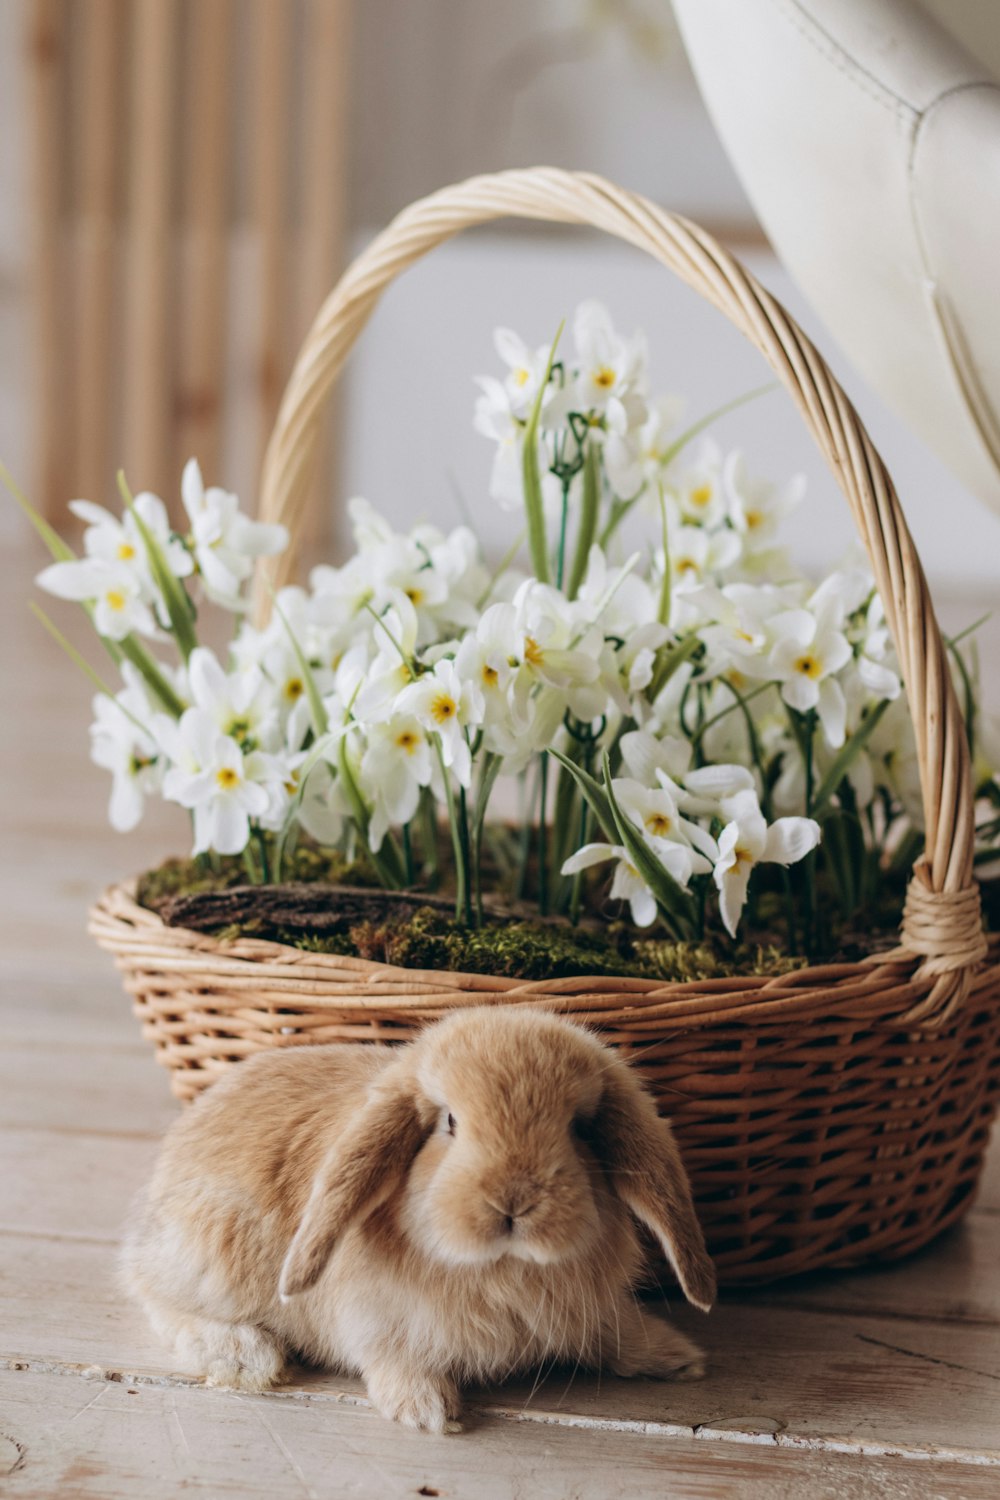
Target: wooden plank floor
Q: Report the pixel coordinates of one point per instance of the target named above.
(885, 1383)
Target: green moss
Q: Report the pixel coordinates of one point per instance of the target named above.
(528, 950)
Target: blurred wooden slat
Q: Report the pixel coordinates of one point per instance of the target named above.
(155, 162)
(198, 405)
(46, 48)
(97, 128)
(271, 106)
(324, 174)
(148, 352)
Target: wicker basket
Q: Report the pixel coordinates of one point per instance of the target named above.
(830, 1116)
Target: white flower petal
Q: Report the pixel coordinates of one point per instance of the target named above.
(791, 839)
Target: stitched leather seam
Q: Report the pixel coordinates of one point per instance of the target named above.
(863, 80)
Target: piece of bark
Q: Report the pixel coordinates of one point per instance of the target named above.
(297, 906)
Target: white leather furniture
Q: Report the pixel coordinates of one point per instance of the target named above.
(868, 140)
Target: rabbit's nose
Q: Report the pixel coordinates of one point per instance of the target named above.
(512, 1206)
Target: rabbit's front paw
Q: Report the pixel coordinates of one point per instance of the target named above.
(423, 1402)
(651, 1347)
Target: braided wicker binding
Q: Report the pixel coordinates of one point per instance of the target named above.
(827, 1116)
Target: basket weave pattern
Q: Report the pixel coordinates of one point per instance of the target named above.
(827, 1116)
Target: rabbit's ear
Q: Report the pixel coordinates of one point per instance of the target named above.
(647, 1173)
(364, 1166)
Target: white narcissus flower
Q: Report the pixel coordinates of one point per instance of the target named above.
(525, 370)
(656, 815)
(701, 497)
(241, 703)
(225, 542)
(114, 590)
(117, 539)
(120, 744)
(395, 764)
(210, 775)
(612, 371)
(807, 653)
(627, 885)
(446, 706)
(495, 419)
(757, 507)
(746, 841)
(698, 555)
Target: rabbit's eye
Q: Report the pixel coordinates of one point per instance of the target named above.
(452, 1122)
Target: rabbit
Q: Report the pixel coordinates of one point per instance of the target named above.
(455, 1209)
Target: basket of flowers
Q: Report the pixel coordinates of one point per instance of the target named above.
(770, 768)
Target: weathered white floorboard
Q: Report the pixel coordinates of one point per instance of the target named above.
(112, 1441)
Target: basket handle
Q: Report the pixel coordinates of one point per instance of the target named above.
(941, 923)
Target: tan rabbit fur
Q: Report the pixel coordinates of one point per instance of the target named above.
(452, 1210)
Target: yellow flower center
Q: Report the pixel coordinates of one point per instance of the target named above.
(743, 856)
(115, 600)
(443, 708)
(227, 778)
(686, 565)
(407, 740)
(415, 596)
(659, 825)
(126, 551)
(754, 518)
(294, 688)
(736, 680)
(809, 665)
(520, 376)
(701, 495)
(533, 651)
(490, 675)
(744, 635)
(604, 377)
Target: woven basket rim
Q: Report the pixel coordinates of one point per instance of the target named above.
(883, 988)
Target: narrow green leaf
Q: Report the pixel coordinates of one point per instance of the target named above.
(593, 794)
(663, 612)
(158, 685)
(174, 594)
(588, 519)
(533, 506)
(59, 549)
(676, 905)
(846, 757)
(81, 662)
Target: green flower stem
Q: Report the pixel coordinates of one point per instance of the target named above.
(561, 557)
(543, 844)
(428, 839)
(585, 836)
(533, 504)
(387, 862)
(663, 612)
(458, 847)
(588, 519)
(260, 839)
(487, 777)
